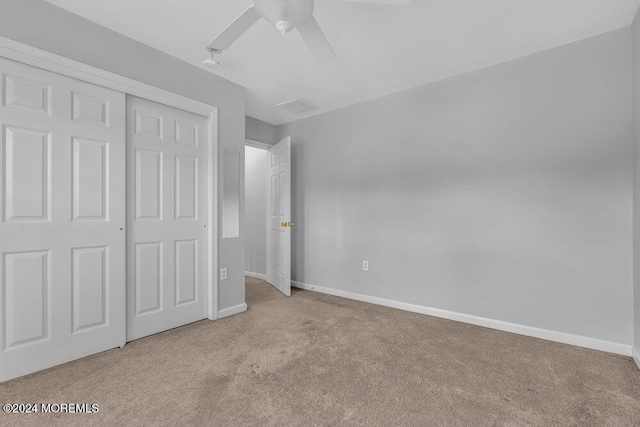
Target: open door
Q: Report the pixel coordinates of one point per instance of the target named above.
(279, 217)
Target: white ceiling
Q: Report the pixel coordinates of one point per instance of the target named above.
(381, 49)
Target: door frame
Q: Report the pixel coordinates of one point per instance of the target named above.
(48, 61)
(256, 144)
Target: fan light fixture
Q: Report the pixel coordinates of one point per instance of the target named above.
(285, 15)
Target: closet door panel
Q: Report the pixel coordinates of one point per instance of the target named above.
(62, 237)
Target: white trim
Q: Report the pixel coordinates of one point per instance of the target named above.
(214, 190)
(636, 356)
(230, 311)
(30, 55)
(39, 58)
(255, 275)
(256, 144)
(530, 331)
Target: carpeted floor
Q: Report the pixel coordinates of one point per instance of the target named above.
(315, 359)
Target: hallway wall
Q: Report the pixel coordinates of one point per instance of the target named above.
(255, 210)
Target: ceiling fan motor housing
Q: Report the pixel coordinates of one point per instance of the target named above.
(285, 15)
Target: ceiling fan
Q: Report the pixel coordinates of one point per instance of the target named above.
(285, 15)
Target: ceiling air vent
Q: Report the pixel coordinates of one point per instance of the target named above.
(298, 106)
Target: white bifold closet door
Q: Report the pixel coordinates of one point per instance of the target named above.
(62, 214)
(167, 216)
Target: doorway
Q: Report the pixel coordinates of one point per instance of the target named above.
(256, 158)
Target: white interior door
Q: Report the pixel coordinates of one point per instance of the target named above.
(279, 216)
(62, 196)
(167, 217)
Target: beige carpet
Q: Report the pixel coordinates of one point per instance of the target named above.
(314, 359)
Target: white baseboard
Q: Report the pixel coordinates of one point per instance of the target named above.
(255, 275)
(230, 311)
(515, 328)
(636, 356)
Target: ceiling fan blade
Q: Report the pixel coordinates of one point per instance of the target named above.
(393, 2)
(234, 30)
(316, 41)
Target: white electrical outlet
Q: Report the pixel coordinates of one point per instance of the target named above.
(365, 265)
(223, 273)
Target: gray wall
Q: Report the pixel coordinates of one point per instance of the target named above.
(42, 25)
(261, 131)
(505, 193)
(636, 186)
(255, 196)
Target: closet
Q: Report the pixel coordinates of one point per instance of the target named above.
(105, 208)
